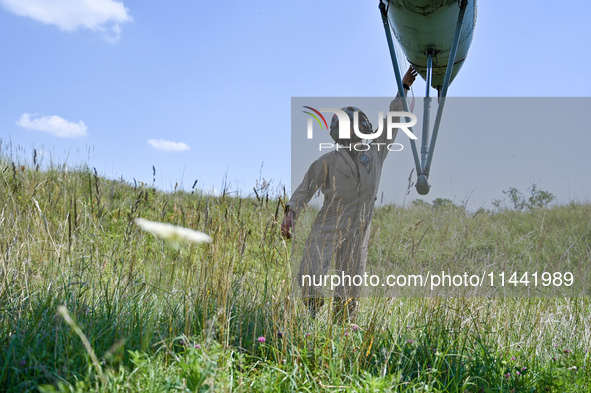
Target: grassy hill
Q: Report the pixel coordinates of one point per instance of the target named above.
(223, 317)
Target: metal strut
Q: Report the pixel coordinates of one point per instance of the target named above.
(446, 82)
(426, 111)
(424, 166)
(398, 78)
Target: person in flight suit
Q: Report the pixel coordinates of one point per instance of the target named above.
(349, 178)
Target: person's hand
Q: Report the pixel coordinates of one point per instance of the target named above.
(287, 224)
(410, 76)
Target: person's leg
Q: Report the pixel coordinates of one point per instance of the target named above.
(313, 269)
(344, 303)
(351, 259)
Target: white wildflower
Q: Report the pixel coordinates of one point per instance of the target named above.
(173, 233)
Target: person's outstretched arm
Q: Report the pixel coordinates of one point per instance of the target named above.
(407, 80)
(395, 106)
(314, 179)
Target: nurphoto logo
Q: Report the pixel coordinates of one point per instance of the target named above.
(394, 120)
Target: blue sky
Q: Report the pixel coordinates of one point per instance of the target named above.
(105, 82)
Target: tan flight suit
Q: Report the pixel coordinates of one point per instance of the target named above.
(342, 227)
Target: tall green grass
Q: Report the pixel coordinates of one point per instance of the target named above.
(192, 319)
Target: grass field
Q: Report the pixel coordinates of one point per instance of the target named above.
(139, 315)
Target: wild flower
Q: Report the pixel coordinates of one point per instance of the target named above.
(410, 341)
(513, 358)
(508, 375)
(173, 233)
(261, 339)
(279, 334)
(197, 346)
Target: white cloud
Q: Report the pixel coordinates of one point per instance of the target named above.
(54, 125)
(162, 144)
(70, 15)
